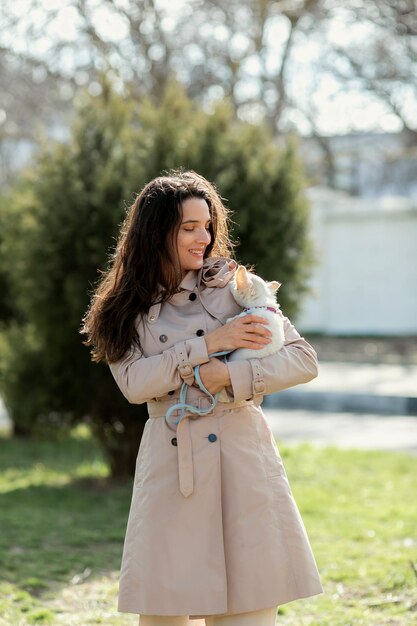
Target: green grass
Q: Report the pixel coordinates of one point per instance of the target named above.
(63, 521)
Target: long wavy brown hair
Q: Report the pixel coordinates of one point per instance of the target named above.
(144, 268)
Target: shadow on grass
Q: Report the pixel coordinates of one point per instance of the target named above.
(61, 515)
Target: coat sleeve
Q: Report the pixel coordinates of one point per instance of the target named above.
(141, 378)
(294, 364)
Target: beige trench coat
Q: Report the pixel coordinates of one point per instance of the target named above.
(213, 527)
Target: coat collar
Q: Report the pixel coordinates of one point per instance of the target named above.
(216, 272)
(189, 281)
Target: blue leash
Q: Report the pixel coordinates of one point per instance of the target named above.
(182, 404)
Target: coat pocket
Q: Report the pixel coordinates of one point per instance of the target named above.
(272, 458)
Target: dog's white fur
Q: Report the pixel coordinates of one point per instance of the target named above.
(252, 292)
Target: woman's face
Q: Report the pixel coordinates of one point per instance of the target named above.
(193, 235)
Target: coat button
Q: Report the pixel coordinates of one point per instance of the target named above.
(171, 392)
(200, 332)
(163, 338)
(212, 437)
(174, 441)
(192, 296)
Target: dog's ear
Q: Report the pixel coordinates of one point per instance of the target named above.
(242, 278)
(274, 285)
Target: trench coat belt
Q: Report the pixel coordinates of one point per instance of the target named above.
(183, 434)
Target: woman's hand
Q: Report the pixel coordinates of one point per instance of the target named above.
(214, 375)
(247, 331)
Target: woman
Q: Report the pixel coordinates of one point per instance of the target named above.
(213, 533)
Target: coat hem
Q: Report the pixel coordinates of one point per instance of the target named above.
(279, 601)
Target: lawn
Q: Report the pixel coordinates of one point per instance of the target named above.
(62, 527)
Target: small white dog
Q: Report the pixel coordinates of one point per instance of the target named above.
(257, 296)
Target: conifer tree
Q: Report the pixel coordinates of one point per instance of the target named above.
(60, 227)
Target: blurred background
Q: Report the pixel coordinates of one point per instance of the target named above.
(304, 114)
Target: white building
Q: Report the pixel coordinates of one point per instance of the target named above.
(365, 278)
